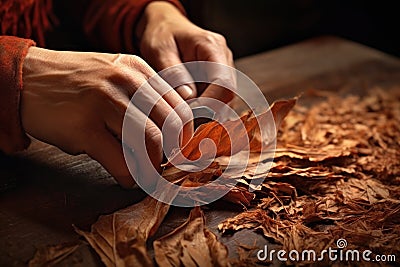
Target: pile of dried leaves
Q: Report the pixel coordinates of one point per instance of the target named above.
(335, 174)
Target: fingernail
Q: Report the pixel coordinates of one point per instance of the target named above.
(185, 91)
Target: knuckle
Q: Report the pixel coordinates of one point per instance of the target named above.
(137, 61)
(184, 112)
(230, 54)
(129, 75)
(134, 62)
(215, 38)
(141, 66)
(118, 75)
(156, 46)
(176, 75)
(173, 122)
(114, 76)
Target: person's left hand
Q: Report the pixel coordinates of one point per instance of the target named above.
(167, 38)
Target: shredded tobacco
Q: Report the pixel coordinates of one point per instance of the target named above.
(336, 174)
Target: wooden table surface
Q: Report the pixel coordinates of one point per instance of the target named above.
(48, 191)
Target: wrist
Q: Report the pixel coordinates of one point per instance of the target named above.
(157, 12)
(28, 63)
(27, 70)
(38, 67)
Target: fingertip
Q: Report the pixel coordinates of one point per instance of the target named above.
(218, 92)
(186, 92)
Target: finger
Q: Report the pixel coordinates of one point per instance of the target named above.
(222, 84)
(171, 70)
(143, 153)
(178, 105)
(145, 96)
(221, 76)
(143, 135)
(107, 150)
(218, 92)
(186, 91)
(158, 101)
(124, 118)
(151, 102)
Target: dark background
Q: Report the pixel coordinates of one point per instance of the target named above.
(258, 25)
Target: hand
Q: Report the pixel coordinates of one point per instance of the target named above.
(167, 38)
(77, 101)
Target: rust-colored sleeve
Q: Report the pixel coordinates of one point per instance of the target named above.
(110, 24)
(12, 54)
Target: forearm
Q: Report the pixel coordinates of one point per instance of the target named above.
(12, 53)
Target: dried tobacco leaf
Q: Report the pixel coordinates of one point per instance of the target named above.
(219, 135)
(52, 255)
(279, 110)
(243, 130)
(236, 194)
(259, 220)
(191, 244)
(120, 238)
(343, 155)
(239, 195)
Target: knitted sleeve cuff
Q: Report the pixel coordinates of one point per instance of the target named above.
(12, 54)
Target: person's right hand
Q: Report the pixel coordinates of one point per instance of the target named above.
(77, 102)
